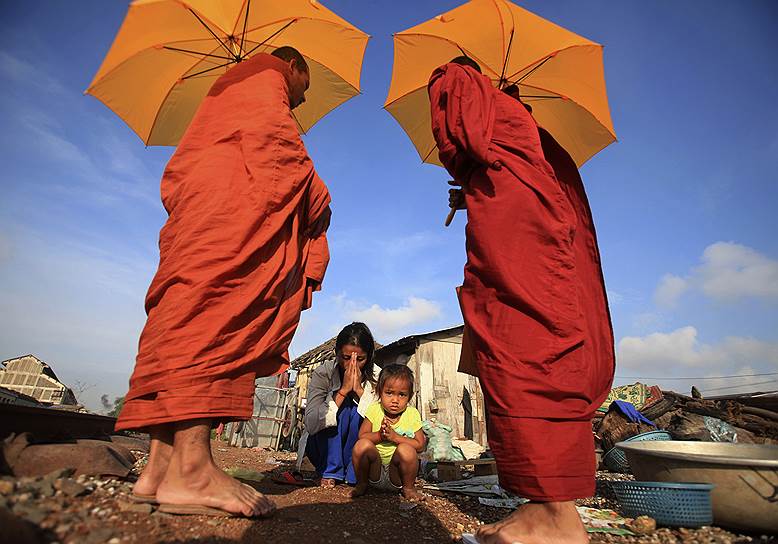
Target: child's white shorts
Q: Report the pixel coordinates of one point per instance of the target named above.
(384, 481)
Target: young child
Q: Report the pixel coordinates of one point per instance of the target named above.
(385, 456)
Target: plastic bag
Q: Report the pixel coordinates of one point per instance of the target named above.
(439, 446)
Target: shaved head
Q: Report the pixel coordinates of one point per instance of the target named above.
(288, 53)
(464, 60)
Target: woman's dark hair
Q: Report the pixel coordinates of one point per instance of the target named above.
(357, 334)
(392, 372)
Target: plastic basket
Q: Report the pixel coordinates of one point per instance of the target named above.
(670, 504)
(615, 459)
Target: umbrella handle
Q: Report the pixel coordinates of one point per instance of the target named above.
(450, 216)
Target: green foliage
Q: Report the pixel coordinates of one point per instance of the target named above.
(117, 407)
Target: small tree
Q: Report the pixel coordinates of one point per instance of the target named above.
(117, 407)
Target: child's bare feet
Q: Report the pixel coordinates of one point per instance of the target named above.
(359, 490)
(411, 494)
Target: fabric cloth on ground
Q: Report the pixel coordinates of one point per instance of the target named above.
(407, 425)
(320, 407)
(330, 449)
(237, 261)
(638, 394)
(533, 297)
(630, 412)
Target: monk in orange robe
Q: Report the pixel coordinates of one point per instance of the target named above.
(241, 253)
(533, 302)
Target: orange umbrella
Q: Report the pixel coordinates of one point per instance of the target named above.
(168, 53)
(558, 72)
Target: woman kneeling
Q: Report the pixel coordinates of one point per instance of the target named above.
(339, 393)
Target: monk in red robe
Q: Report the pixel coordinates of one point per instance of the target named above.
(242, 251)
(533, 302)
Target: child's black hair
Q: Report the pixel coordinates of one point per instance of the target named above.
(391, 372)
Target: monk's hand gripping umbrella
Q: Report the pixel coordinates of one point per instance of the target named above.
(557, 71)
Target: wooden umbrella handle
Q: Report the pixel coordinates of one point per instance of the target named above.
(450, 216)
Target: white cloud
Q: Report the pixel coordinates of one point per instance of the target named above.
(669, 291)
(732, 270)
(331, 312)
(665, 353)
(728, 272)
(25, 74)
(388, 321)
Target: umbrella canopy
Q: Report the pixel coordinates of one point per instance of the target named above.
(168, 53)
(559, 73)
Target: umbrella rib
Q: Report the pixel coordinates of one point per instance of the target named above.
(544, 61)
(200, 53)
(227, 49)
(245, 22)
(427, 156)
(505, 64)
(273, 35)
(209, 70)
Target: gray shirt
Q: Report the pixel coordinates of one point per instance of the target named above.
(321, 411)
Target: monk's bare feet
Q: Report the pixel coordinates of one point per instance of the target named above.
(411, 494)
(192, 478)
(359, 490)
(537, 523)
(210, 486)
(161, 448)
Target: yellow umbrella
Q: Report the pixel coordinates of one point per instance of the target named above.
(558, 72)
(168, 53)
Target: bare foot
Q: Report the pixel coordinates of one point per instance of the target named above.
(159, 458)
(327, 482)
(411, 494)
(537, 523)
(207, 485)
(359, 490)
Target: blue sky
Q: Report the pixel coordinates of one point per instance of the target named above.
(685, 203)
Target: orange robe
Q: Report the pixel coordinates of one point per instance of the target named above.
(533, 299)
(237, 264)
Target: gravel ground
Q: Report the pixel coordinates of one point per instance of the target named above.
(85, 510)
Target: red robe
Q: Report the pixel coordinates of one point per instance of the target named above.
(533, 297)
(237, 265)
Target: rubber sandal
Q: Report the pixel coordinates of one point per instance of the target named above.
(196, 510)
(139, 498)
(293, 478)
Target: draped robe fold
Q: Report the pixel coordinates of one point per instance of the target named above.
(533, 297)
(237, 262)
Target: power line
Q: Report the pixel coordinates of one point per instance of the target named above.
(739, 386)
(696, 377)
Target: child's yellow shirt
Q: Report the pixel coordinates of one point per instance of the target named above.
(407, 425)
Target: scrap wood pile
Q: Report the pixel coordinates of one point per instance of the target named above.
(687, 418)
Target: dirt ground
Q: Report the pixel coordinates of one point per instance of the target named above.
(90, 510)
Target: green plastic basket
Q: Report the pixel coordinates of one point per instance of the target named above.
(615, 459)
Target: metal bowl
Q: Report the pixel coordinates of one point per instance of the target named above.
(745, 476)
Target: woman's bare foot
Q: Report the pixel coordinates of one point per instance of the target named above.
(537, 523)
(327, 482)
(193, 478)
(411, 494)
(359, 490)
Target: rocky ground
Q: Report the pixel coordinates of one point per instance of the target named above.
(86, 510)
